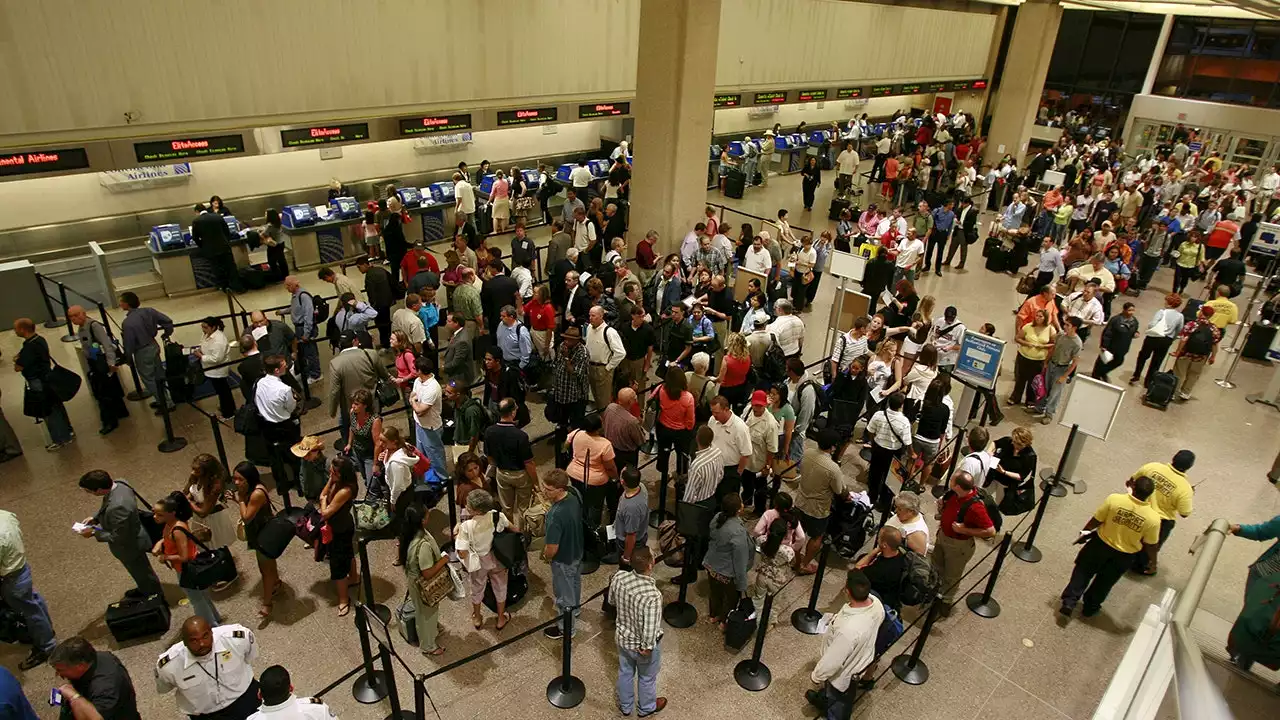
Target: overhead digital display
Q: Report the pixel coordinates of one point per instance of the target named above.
(435, 123)
(527, 116)
(908, 89)
(935, 87)
(960, 85)
(599, 110)
(775, 97)
(324, 135)
(979, 85)
(811, 95)
(181, 148)
(848, 93)
(723, 101)
(881, 90)
(42, 161)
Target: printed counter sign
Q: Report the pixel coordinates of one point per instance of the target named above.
(811, 95)
(324, 135)
(181, 148)
(599, 110)
(528, 116)
(724, 101)
(848, 93)
(42, 161)
(775, 97)
(881, 90)
(435, 124)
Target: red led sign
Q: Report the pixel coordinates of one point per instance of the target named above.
(598, 110)
(41, 161)
(434, 124)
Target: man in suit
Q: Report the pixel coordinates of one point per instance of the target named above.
(458, 363)
(117, 525)
(559, 244)
(560, 270)
(966, 228)
(213, 237)
(380, 291)
(353, 368)
(576, 302)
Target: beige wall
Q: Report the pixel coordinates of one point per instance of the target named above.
(74, 197)
(783, 42)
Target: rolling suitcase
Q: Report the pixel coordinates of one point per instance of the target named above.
(1160, 391)
(838, 205)
(735, 185)
(129, 618)
(997, 259)
(517, 588)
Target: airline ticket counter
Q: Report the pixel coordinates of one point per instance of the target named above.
(180, 264)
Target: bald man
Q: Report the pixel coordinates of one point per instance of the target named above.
(102, 357)
(35, 364)
(621, 420)
(212, 671)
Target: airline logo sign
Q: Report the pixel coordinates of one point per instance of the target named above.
(180, 148)
(43, 161)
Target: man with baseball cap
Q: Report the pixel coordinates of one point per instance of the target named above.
(763, 429)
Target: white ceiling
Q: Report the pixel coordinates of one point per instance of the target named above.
(1242, 9)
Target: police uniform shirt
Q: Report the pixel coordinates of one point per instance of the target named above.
(212, 682)
(295, 708)
(1127, 523)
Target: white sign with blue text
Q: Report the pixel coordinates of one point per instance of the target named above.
(979, 360)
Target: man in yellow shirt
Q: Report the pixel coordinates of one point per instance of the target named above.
(1225, 312)
(1172, 499)
(1126, 525)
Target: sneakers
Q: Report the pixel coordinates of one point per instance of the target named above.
(35, 659)
(1184, 397)
(555, 632)
(1046, 419)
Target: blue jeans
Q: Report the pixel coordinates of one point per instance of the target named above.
(432, 445)
(1052, 372)
(631, 664)
(202, 605)
(18, 593)
(56, 423)
(796, 451)
(309, 355)
(566, 585)
(839, 704)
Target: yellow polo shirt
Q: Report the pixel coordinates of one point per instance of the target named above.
(1173, 492)
(1127, 523)
(1225, 312)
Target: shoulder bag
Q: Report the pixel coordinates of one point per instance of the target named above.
(154, 530)
(209, 567)
(508, 546)
(385, 389)
(62, 383)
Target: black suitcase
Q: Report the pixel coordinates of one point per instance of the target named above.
(1192, 310)
(517, 587)
(997, 259)
(253, 277)
(740, 625)
(735, 185)
(1160, 391)
(129, 619)
(990, 244)
(838, 205)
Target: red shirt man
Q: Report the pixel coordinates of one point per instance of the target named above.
(645, 256)
(418, 259)
(1222, 234)
(957, 530)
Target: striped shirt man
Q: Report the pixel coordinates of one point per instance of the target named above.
(639, 603)
(847, 349)
(705, 473)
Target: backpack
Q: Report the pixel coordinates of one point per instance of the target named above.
(774, 366)
(920, 582)
(821, 400)
(1200, 341)
(319, 309)
(550, 188)
(993, 510)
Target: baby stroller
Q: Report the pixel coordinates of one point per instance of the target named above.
(850, 525)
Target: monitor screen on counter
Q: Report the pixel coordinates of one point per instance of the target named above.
(324, 134)
(42, 161)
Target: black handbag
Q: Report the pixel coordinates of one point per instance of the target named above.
(385, 390)
(154, 530)
(508, 546)
(209, 567)
(62, 383)
(275, 536)
(33, 403)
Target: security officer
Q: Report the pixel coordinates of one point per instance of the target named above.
(279, 703)
(1126, 525)
(212, 671)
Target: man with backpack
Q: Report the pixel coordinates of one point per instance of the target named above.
(307, 314)
(977, 462)
(805, 397)
(1197, 346)
(967, 513)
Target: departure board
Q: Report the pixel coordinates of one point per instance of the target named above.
(182, 148)
(324, 135)
(42, 161)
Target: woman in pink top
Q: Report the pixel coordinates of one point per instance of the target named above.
(500, 195)
(593, 470)
(675, 420)
(406, 371)
(795, 537)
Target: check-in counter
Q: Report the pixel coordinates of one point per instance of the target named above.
(180, 264)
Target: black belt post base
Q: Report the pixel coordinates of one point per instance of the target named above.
(806, 619)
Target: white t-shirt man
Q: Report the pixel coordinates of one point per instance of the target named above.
(427, 392)
(732, 439)
(759, 261)
(789, 330)
(465, 197)
(581, 178)
(946, 335)
(978, 464)
(909, 253)
(848, 162)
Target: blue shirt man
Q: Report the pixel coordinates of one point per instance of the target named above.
(513, 339)
(943, 219)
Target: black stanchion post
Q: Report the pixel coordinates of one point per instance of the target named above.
(217, 439)
(171, 443)
(982, 604)
(231, 311)
(806, 619)
(71, 332)
(52, 322)
(752, 674)
(566, 691)
(392, 694)
(910, 669)
(1027, 551)
(420, 697)
(680, 613)
(657, 516)
(370, 687)
(366, 583)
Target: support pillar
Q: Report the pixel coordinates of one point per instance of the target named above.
(675, 78)
(1035, 30)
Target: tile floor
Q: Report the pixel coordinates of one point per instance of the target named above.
(1022, 664)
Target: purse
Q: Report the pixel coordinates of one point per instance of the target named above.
(508, 546)
(209, 567)
(372, 515)
(62, 383)
(385, 390)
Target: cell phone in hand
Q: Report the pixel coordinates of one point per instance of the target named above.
(55, 697)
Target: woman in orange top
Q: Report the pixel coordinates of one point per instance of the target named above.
(593, 470)
(675, 419)
(177, 546)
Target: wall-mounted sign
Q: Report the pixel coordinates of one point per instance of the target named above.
(960, 85)
(848, 93)
(811, 95)
(935, 87)
(180, 148)
(435, 124)
(599, 110)
(908, 89)
(42, 161)
(881, 90)
(979, 85)
(527, 116)
(774, 97)
(724, 101)
(324, 135)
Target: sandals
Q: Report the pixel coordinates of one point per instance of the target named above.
(343, 610)
(477, 621)
(502, 621)
(434, 653)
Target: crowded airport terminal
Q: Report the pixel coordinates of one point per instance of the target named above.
(720, 359)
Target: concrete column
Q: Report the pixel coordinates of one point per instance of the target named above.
(675, 83)
(1035, 30)
(1158, 55)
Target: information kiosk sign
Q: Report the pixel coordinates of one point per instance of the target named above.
(979, 360)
